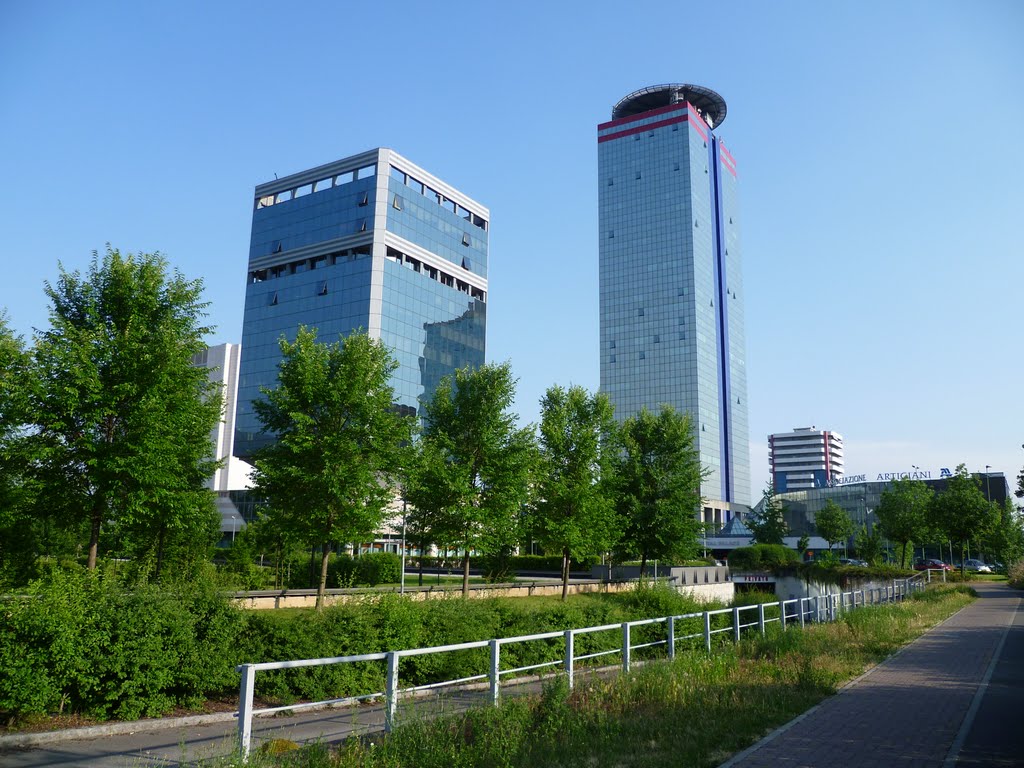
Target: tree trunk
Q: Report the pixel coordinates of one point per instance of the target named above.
(421, 566)
(94, 533)
(323, 575)
(565, 573)
(465, 574)
(643, 566)
(160, 550)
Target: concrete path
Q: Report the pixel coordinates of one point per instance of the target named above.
(920, 708)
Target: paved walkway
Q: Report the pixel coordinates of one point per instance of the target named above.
(917, 709)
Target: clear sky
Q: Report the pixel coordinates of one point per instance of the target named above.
(879, 147)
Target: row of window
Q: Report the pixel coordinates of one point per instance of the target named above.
(317, 186)
(444, 202)
(399, 204)
(434, 273)
(304, 265)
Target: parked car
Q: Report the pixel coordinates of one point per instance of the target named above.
(931, 564)
(976, 566)
(853, 561)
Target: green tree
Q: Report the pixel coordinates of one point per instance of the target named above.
(575, 510)
(327, 477)
(122, 416)
(961, 512)
(833, 523)
(18, 540)
(1006, 539)
(477, 475)
(658, 477)
(769, 524)
(903, 513)
(869, 545)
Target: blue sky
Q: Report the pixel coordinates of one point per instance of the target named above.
(878, 144)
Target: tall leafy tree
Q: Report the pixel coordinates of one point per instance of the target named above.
(476, 475)
(833, 523)
(903, 513)
(961, 512)
(769, 524)
(123, 417)
(1006, 539)
(327, 477)
(658, 477)
(869, 545)
(574, 514)
(17, 532)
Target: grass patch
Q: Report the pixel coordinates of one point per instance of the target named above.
(695, 710)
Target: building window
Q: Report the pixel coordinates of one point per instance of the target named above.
(612, 359)
(323, 289)
(657, 339)
(640, 312)
(638, 174)
(362, 225)
(397, 203)
(273, 299)
(643, 355)
(611, 182)
(611, 233)
(611, 344)
(365, 199)
(465, 238)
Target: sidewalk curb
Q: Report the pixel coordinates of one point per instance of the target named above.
(40, 738)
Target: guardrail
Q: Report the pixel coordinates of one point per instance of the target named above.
(798, 610)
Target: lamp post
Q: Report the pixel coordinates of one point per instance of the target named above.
(234, 523)
(401, 588)
(988, 483)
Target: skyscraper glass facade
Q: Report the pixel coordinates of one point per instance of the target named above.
(371, 242)
(671, 288)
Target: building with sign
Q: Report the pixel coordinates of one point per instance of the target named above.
(671, 288)
(861, 499)
(805, 458)
(370, 242)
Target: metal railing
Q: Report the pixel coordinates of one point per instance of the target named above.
(801, 610)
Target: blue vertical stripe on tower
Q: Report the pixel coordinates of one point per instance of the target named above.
(721, 320)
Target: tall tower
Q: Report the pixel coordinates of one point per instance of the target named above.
(370, 242)
(671, 285)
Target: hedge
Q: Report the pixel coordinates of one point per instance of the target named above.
(82, 643)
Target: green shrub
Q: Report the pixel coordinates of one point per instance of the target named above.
(375, 568)
(763, 557)
(87, 643)
(1016, 574)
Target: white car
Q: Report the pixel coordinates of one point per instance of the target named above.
(976, 566)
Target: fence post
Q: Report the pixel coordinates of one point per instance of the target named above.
(245, 710)
(802, 608)
(736, 624)
(943, 575)
(391, 691)
(760, 617)
(782, 614)
(569, 651)
(495, 674)
(671, 637)
(625, 646)
(707, 630)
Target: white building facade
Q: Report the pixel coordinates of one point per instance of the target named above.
(805, 458)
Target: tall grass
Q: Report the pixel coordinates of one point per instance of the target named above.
(693, 711)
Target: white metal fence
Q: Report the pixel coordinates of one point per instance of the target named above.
(745, 617)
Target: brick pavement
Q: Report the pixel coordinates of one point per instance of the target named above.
(907, 711)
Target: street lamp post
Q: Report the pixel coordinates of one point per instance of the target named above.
(988, 483)
(234, 523)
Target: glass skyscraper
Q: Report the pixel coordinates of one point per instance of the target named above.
(371, 242)
(671, 298)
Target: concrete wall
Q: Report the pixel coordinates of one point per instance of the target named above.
(702, 592)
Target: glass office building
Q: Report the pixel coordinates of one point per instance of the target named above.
(671, 301)
(371, 242)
